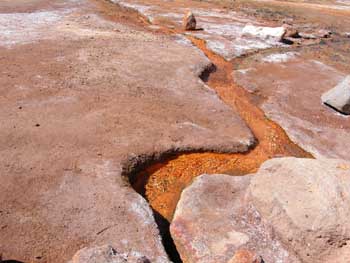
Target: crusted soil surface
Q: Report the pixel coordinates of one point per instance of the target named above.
(83, 99)
(296, 104)
(289, 82)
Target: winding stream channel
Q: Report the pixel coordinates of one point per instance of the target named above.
(162, 182)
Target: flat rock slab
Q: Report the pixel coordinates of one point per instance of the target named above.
(215, 222)
(338, 98)
(80, 98)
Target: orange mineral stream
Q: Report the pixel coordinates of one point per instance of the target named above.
(162, 183)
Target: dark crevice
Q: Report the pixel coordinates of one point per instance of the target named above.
(204, 75)
(287, 41)
(134, 172)
(346, 109)
(167, 240)
(133, 165)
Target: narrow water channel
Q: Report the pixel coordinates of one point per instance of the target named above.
(162, 182)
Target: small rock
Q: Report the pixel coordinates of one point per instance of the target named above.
(189, 21)
(338, 98)
(288, 21)
(265, 33)
(307, 35)
(293, 40)
(290, 31)
(245, 256)
(322, 33)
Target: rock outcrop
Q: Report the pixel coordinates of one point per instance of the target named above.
(292, 210)
(307, 202)
(189, 21)
(216, 223)
(338, 98)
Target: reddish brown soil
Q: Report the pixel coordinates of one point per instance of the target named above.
(165, 181)
(118, 14)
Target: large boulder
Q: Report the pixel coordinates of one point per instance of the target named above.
(292, 210)
(215, 222)
(307, 202)
(338, 98)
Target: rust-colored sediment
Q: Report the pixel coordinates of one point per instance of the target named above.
(167, 180)
(117, 13)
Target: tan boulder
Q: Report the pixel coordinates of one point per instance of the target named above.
(307, 202)
(292, 210)
(215, 222)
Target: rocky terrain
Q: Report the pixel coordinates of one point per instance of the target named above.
(174, 131)
(304, 222)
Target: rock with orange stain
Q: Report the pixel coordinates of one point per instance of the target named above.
(245, 256)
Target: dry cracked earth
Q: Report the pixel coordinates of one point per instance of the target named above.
(117, 125)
